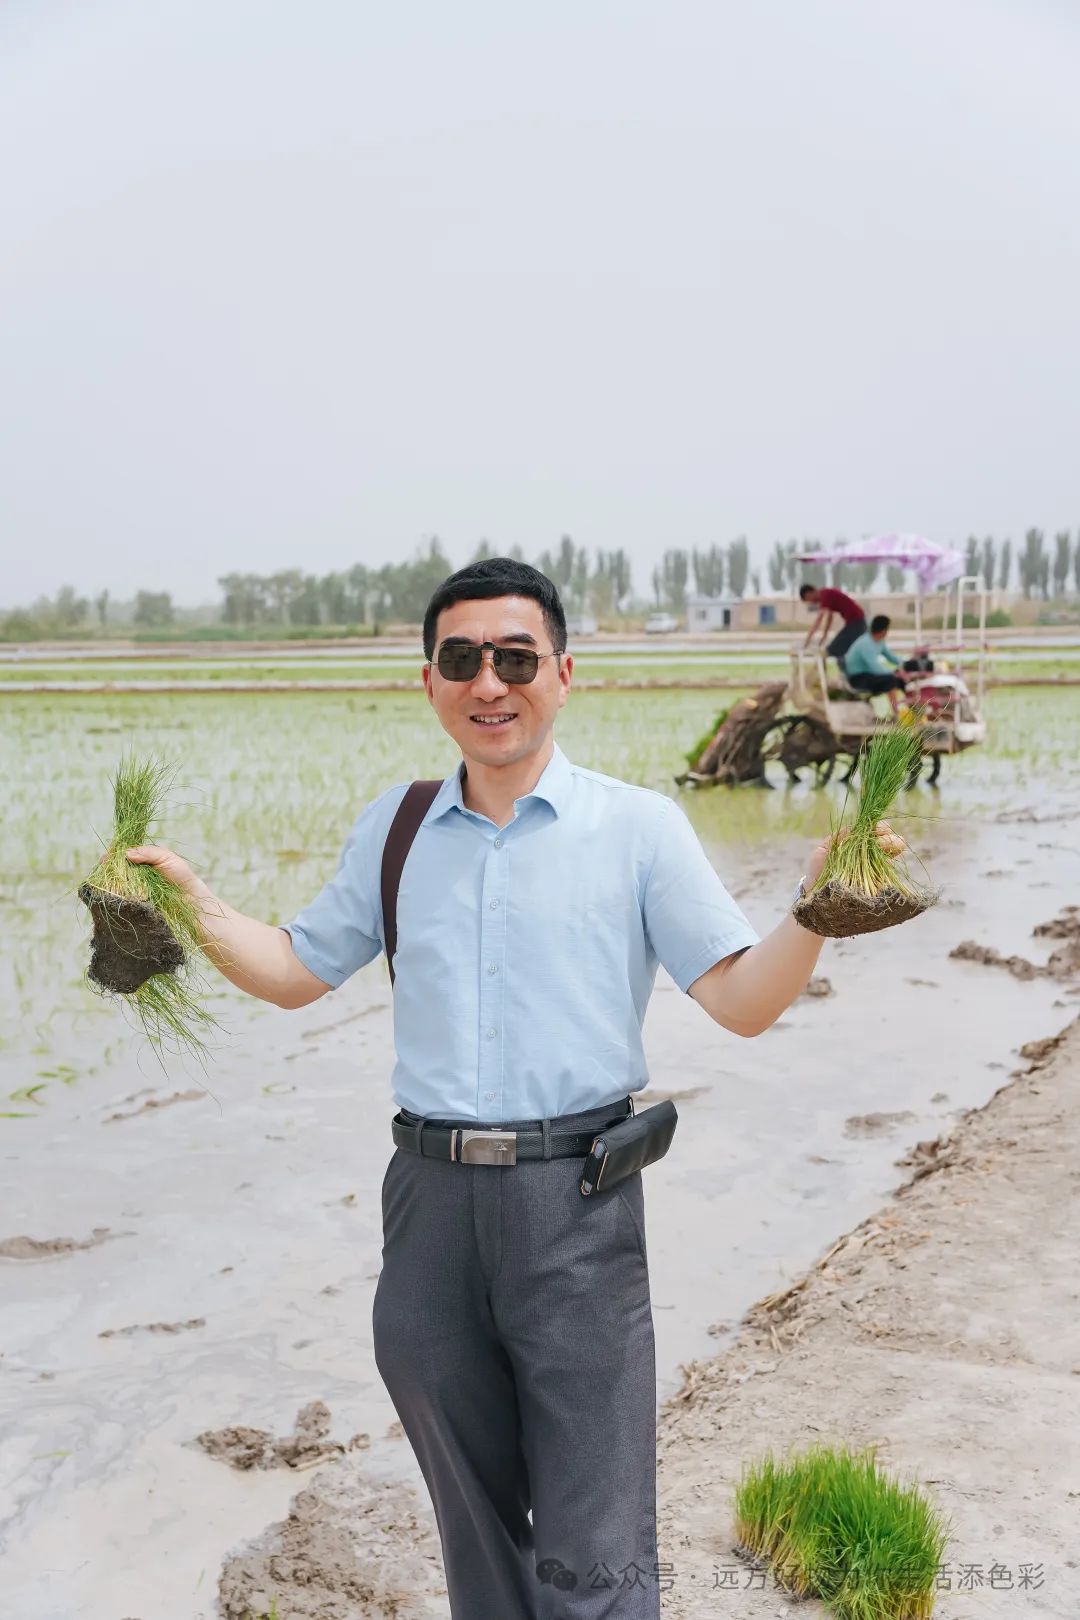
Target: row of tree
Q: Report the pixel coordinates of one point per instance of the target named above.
(604, 584)
(600, 583)
(1041, 569)
(67, 610)
(399, 592)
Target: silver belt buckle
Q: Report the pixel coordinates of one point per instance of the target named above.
(487, 1147)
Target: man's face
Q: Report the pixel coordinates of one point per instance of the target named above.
(811, 599)
(492, 722)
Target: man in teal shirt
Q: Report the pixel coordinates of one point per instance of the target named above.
(867, 663)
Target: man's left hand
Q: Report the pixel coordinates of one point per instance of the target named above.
(890, 841)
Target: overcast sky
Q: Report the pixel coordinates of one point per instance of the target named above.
(296, 286)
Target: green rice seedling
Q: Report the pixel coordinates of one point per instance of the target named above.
(271, 1614)
(28, 1094)
(861, 888)
(692, 755)
(833, 1526)
(147, 930)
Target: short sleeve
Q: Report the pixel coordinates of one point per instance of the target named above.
(340, 930)
(690, 918)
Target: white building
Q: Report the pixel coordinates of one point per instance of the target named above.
(731, 612)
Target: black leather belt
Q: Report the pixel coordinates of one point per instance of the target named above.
(465, 1142)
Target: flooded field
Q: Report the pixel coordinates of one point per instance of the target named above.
(203, 1247)
(651, 660)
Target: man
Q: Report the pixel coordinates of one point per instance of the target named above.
(830, 602)
(868, 660)
(512, 1318)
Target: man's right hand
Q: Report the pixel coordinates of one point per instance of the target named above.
(171, 866)
(255, 956)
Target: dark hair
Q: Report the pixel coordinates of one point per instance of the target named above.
(497, 576)
(880, 621)
(804, 590)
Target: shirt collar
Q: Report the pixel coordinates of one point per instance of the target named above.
(554, 787)
(555, 782)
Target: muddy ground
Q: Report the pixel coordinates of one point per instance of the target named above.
(943, 1329)
(187, 1267)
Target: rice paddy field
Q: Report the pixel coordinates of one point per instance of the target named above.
(646, 665)
(269, 784)
(209, 1241)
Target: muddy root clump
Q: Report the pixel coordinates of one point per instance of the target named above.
(131, 941)
(836, 910)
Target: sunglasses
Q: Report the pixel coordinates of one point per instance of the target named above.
(462, 661)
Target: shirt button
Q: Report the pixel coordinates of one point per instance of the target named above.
(493, 904)
(489, 1096)
(492, 967)
(498, 843)
(491, 1034)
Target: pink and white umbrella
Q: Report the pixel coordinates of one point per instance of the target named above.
(932, 564)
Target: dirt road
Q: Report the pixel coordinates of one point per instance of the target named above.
(946, 1329)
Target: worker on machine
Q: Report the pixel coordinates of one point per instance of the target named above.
(868, 660)
(830, 603)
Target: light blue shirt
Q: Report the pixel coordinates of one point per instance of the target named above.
(526, 954)
(869, 657)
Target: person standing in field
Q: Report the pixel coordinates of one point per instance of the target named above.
(512, 1319)
(830, 602)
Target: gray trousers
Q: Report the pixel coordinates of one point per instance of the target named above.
(513, 1330)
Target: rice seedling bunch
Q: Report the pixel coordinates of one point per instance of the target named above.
(857, 859)
(147, 930)
(834, 1527)
(692, 755)
(861, 888)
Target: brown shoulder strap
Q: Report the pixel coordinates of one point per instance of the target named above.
(419, 797)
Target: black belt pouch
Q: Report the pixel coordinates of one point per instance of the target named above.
(628, 1146)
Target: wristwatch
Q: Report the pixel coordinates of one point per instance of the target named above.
(800, 891)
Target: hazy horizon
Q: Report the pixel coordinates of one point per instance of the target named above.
(285, 289)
